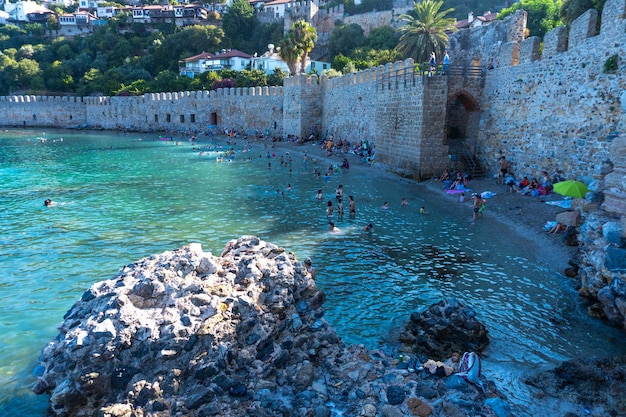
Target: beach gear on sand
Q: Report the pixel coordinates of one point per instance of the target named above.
(470, 368)
(571, 188)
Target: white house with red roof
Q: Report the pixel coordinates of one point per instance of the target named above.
(226, 59)
(474, 22)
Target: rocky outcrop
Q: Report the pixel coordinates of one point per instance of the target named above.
(188, 333)
(443, 329)
(599, 385)
(602, 255)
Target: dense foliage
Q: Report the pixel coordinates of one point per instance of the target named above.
(461, 7)
(351, 50)
(425, 31)
(123, 58)
(543, 15)
(572, 9)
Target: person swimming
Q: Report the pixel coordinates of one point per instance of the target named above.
(49, 203)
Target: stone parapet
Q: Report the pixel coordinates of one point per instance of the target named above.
(529, 50)
(554, 42)
(582, 28)
(509, 55)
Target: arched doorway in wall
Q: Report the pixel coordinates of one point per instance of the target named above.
(461, 132)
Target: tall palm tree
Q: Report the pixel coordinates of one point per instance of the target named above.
(305, 35)
(297, 44)
(290, 52)
(425, 30)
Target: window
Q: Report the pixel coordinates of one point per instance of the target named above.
(168, 118)
(192, 118)
(156, 118)
(182, 118)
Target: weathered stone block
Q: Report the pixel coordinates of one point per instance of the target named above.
(529, 50)
(582, 28)
(555, 41)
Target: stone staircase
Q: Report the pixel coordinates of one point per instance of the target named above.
(463, 159)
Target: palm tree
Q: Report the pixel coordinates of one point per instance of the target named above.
(425, 32)
(297, 44)
(290, 51)
(305, 35)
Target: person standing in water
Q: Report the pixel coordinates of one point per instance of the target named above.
(352, 208)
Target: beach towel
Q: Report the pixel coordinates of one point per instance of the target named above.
(566, 204)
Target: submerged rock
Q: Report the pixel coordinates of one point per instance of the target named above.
(598, 386)
(188, 333)
(443, 329)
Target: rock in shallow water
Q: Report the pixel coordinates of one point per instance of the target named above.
(186, 333)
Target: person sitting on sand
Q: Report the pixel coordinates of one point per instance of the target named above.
(510, 182)
(445, 176)
(523, 183)
(558, 227)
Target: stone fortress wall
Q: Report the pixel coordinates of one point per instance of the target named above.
(258, 108)
(560, 111)
(557, 112)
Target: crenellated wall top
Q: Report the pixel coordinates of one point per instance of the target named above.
(494, 43)
(151, 97)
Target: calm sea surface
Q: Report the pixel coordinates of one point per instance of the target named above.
(123, 197)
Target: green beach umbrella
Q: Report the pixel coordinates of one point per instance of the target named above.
(571, 188)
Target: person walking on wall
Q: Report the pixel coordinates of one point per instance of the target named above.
(432, 64)
(446, 63)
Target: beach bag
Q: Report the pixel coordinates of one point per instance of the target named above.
(470, 367)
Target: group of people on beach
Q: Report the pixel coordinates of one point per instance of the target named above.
(534, 187)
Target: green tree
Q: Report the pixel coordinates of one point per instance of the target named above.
(238, 23)
(254, 78)
(190, 41)
(289, 50)
(543, 15)
(135, 88)
(59, 77)
(277, 78)
(572, 9)
(426, 31)
(380, 38)
(340, 62)
(25, 70)
(305, 36)
(266, 34)
(344, 39)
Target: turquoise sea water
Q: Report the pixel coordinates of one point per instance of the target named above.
(122, 197)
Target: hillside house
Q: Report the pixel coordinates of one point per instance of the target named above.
(474, 22)
(226, 59)
(27, 12)
(71, 24)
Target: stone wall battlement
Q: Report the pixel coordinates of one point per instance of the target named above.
(581, 35)
(151, 97)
